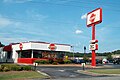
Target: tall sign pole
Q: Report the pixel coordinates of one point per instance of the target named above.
(93, 51)
(94, 17)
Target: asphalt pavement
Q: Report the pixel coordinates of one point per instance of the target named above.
(75, 72)
(70, 72)
(62, 72)
(92, 78)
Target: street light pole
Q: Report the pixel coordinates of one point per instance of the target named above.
(73, 52)
(84, 50)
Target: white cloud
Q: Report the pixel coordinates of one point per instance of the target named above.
(5, 21)
(84, 16)
(78, 31)
(35, 15)
(8, 40)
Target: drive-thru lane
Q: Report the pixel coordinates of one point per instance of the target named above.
(65, 72)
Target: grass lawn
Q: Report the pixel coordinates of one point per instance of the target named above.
(20, 75)
(106, 71)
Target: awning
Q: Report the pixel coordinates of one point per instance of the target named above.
(7, 48)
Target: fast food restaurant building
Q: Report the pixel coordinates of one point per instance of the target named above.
(28, 52)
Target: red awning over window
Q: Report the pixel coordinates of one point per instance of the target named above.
(7, 48)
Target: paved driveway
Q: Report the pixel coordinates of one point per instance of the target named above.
(92, 78)
(65, 72)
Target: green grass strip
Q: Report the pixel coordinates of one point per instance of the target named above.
(20, 75)
(106, 71)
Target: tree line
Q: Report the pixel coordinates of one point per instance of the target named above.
(107, 54)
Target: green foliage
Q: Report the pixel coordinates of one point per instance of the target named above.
(26, 68)
(14, 67)
(8, 67)
(55, 63)
(1, 45)
(85, 58)
(5, 69)
(22, 75)
(77, 54)
(60, 61)
(109, 57)
(116, 52)
(67, 61)
(42, 61)
(1, 69)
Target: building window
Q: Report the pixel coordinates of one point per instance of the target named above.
(24, 54)
(37, 54)
(9, 55)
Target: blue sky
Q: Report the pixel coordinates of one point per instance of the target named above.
(59, 21)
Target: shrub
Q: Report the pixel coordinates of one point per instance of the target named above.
(6, 69)
(55, 63)
(26, 68)
(14, 67)
(1, 68)
(60, 61)
(42, 61)
(67, 61)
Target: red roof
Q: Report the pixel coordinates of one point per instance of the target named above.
(7, 48)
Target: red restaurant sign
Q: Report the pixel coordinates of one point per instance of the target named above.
(21, 46)
(52, 47)
(94, 17)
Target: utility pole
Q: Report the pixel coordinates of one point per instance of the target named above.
(73, 52)
(84, 50)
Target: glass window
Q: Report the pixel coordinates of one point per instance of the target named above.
(24, 54)
(37, 54)
(9, 55)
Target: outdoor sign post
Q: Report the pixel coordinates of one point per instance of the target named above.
(94, 17)
(21, 47)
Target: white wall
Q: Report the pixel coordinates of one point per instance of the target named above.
(25, 46)
(3, 55)
(37, 46)
(45, 46)
(41, 46)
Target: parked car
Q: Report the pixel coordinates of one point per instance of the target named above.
(78, 61)
(116, 61)
(98, 61)
(104, 61)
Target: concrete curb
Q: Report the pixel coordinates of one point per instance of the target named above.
(68, 65)
(44, 74)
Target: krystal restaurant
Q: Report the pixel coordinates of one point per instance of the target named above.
(28, 52)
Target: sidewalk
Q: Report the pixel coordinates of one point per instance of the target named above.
(67, 65)
(70, 65)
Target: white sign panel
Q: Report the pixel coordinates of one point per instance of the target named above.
(93, 47)
(94, 17)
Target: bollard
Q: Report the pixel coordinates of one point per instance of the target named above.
(35, 64)
(83, 65)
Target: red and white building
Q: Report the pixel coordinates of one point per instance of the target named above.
(28, 52)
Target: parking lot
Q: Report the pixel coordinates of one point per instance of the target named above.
(59, 72)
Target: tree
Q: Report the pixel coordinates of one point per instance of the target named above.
(1, 45)
(109, 57)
